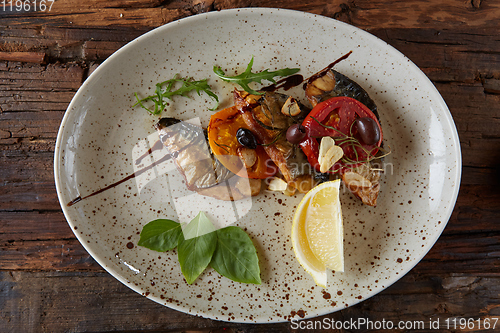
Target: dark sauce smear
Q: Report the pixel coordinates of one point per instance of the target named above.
(157, 146)
(131, 176)
(325, 70)
(297, 79)
(285, 83)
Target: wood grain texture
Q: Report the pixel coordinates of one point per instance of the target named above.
(49, 283)
(61, 301)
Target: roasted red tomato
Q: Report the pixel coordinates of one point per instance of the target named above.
(353, 126)
(245, 162)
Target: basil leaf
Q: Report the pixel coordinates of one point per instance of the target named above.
(235, 256)
(198, 226)
(195, 254)
(160, 235)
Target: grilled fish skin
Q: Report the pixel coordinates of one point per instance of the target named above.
(335, 84)
(188, 147)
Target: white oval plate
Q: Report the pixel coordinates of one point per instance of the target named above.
(101, 137)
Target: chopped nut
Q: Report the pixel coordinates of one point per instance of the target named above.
(291, 107)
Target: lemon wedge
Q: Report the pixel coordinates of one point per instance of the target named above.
(318, 233)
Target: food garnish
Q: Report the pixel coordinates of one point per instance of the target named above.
(229, 250)
(246, 138)
(160, 235)
(317, 232)
(247, 76)
(164, 92)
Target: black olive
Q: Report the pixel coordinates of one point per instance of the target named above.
(368, 130)
(246, 138)
(295, 133)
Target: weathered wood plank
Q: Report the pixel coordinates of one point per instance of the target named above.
(28, 196)
(454, 43)
(31, 125)
(364, 13)
(33, 226)
(31, 57)
(442, 53)
(72, 13)
(56, 302)
(46, 255)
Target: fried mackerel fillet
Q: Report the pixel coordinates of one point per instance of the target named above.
(202, 172)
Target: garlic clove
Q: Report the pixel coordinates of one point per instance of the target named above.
(325, 144)
(276, 184)
(291, 108)
(248, 156)
(332, 156)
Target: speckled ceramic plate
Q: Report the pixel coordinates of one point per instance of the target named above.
(102, 138)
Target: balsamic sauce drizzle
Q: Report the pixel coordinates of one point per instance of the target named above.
(297, 79)
(325, 70)
(285, 83)
(156, 146)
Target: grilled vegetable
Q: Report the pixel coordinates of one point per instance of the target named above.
(223, 138)
(344, 110)
(263, 116)
(335, 118)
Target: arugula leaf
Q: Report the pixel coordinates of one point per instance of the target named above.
(188, 85)
(247, 76)
(195, 254)
(199, 226)
(160, 235)
(235, 256)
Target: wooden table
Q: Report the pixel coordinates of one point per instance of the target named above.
(49, 283)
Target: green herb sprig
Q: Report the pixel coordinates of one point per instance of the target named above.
(229, 250)
(164, 92)
(247, 76)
